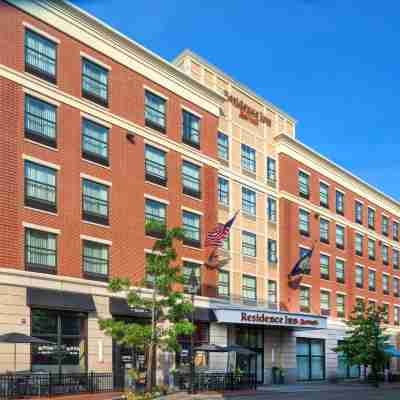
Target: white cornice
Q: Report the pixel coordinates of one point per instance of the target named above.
(84, 27)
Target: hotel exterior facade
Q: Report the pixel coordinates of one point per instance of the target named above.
(100, 135)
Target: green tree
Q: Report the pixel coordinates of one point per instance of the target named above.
(366, 340)
(169, 308)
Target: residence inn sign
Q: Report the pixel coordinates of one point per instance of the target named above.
(240, 316)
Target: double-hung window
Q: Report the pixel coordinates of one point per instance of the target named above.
(40, 121)
(155, 165)
(395, 227)
(40, 56)
(191, 129)
(155, 217)
(248, 201)
(385, 254)
(40, 187)
(191, 183)
(324, 230)
(385, 225)
(304, 222)
(395, 258)
(223, 146)
(95, 202)
(272, 295)
(40, 251)
(95, 139)
(371, 218)
(223, 284)
(325, 302)
(155, 111)
(396, 287)
(272, 251)
(371, 249)
(385, 313)
(339, 202)
(358, 211)
(187, 269)
(324, 266)
(304, 185)
(396, 315)
(271, 209)
(324, 194)
(385, 284)
(223, 191)
(306, 268)
(371, 280)
(248, 159)
(305, 299)
(359, 276)
(340, 305)
(340, 271)
(359, 244)
(94, 82)
(249, 244)
(340, 236)
(191, 229)
(95, 259)
(249, 288)
(271, 171)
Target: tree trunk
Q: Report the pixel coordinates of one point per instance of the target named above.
(150, 358)
(376, 376)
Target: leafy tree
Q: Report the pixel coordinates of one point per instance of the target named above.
(169, 308)
(366, 340)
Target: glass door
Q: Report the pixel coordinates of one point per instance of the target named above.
(310, 355)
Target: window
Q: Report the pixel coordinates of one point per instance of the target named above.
(248, 201)
(341, 305)
(385, 225)
(95, 260)
(191, 179)
(371, 249)
(304, 222)
(324, 266)
(385, 284)
(303, 252)
(371, 305)
(358, 212)
(40, 121)
(40, 187)
(223, 146)
(40, 56)
(371, 218)
(40, 251)
(395, 231)
(271, 210)
(345, 370)
(188, 267)
(226, 245)
(305, 299)
(395, 258)
(360, 305)
(154, 111)
(396, 316)
(304, 185)
(359, 276)
(191, 228)
(156, 213)
(272, 251)
(359, 244)
(94, 82)
(249, 288)
(249, 244)
(248, 158)
(371, 280)
(324, 194)
(340, 237)
(340, 274)
(310, 358)
(385, 254)
(325, 302)
(95, 142)
(95, 204)
(385, 307)
(223, 284)
(155, 165)
(339, 202)
(324, 230)
(271, 171)
(396, 287)
(223, 191)
(191, 129)
(272, 295)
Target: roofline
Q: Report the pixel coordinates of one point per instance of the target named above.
(189, 53)
(282, 138)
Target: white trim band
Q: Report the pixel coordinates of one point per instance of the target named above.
(41, 162)
(41, 228)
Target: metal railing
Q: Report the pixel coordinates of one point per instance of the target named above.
(15, 386)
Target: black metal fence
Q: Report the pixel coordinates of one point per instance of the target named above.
(217, 381)
(13, 386)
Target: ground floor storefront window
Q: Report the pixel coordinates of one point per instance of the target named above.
(67, 331)
(310, 355)
(345, 370)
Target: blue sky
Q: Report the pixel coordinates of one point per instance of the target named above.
(332, 64)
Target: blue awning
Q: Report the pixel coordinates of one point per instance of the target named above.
(392, 351)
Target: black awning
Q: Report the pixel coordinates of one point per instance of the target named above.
(204, 315)
(60, 300)
(119, 307)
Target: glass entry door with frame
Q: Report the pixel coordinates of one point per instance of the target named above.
(310, 356)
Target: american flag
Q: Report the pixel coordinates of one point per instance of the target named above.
(216, 237)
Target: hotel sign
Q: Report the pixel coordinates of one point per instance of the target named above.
(240, 316)
(248, 113)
